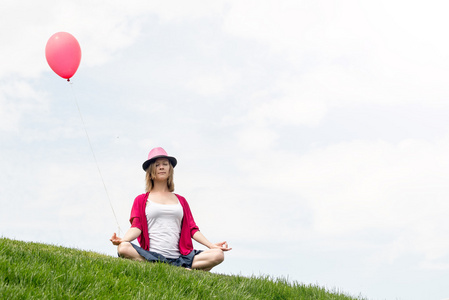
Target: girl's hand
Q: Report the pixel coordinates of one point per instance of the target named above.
(223, 246)
(116, 240)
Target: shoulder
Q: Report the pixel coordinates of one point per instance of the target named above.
(141, 198)
(139, 206)
(181, 199)
(186, 208)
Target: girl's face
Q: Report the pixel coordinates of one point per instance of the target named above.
(162, 166)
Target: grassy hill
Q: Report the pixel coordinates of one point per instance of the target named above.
(32, 270)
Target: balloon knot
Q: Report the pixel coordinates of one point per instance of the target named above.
(68, 79)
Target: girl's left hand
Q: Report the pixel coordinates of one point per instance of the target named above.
(223, 246)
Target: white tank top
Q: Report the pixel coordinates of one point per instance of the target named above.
(164, 228)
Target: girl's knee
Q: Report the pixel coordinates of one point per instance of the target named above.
(124, 248)
(218, 256)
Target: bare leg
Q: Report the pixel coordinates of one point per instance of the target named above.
(126, 250)
(208, 259)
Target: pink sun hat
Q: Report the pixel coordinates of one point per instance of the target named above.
(156, 153)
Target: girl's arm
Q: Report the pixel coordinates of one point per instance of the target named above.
(130, 235)
(200, 238)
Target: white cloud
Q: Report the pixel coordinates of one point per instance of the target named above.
(101, 28)
(19, 99)
(213, 82)
(340, 53)
(290, 26)
(335, 28)
(176, 11)
(256, 139)
(360, 186)
(298, 105)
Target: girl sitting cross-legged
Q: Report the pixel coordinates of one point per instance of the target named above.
(163, 223)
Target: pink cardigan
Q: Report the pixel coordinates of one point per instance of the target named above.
(138, 219)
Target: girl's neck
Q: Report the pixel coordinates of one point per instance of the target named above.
(160, 187)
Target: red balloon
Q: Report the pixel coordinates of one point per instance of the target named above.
(63, 53)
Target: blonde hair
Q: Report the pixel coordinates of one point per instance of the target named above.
(151, 174)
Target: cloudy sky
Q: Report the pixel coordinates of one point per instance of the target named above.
(313, 137)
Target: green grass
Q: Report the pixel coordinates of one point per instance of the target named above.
(33, 270)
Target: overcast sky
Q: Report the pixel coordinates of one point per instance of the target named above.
(313, 137)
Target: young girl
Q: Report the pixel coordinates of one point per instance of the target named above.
(163, 223)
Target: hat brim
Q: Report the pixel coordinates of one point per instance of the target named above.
(147, 163)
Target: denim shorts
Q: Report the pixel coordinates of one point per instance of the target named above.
(182, 261)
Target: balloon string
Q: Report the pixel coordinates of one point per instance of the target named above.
(95, 159)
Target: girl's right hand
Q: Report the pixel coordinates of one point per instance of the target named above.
(116, 240)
